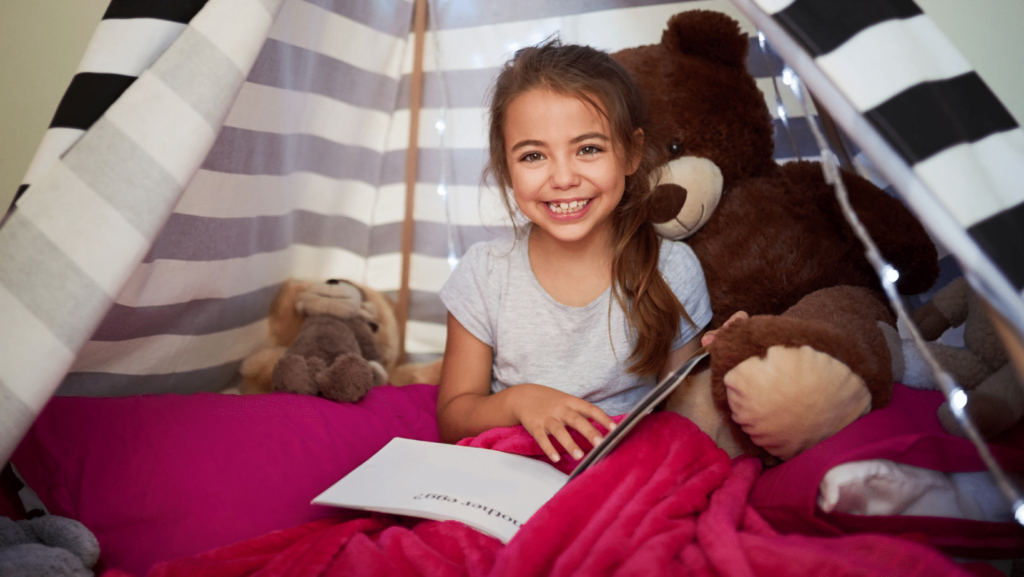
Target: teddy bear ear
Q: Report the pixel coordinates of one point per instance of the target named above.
(709, 35)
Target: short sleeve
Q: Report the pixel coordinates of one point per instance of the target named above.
(684, 275)
(469, 293)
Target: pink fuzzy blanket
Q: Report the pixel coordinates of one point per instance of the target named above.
(666, 502)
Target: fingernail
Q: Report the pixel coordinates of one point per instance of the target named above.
(612, 427)
(554, 457)
(597, 440)
(578, 454)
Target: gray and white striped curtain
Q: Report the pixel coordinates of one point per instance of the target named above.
(207, 151)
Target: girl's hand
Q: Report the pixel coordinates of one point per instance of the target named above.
(545, 411)
(709, 337)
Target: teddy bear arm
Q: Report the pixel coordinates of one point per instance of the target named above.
(994, 406)
(824, 362)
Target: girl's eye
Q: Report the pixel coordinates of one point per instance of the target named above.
(531, 157)
(589, 150)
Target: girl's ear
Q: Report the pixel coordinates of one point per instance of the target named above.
(638, 151)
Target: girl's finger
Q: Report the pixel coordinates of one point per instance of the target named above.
(585, 428)
(541, 436)
(594, 413)
(560, 433)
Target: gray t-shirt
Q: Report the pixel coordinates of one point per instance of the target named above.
(494, 294)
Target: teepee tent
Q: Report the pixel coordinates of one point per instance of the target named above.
(207, 151)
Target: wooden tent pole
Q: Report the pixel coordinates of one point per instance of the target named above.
(411, 163)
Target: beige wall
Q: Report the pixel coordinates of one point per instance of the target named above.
(42, 41)
(990, 34)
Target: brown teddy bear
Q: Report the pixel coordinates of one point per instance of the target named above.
(334, 355)
(773, 242)
(298, 301)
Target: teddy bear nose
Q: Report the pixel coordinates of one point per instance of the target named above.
(667, 201)
(333, 281)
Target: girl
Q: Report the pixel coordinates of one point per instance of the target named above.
(576, 317)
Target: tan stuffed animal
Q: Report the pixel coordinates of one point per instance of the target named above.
(285, 321)
(995, 394)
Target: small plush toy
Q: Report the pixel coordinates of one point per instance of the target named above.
(768, 237)
(316, 324)
(334, 355)
(995, 394)
(48, 545)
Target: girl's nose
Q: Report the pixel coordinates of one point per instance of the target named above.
(563, 175)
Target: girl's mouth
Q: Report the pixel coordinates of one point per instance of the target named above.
(567, 207)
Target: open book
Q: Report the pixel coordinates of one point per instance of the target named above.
(491, 491)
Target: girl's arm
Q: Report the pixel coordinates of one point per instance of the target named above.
(677, 357)
(466, 408)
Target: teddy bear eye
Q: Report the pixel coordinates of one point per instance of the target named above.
(675, 147)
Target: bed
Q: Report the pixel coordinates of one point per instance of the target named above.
(221, 485)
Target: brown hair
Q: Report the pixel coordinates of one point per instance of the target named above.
(652, 309)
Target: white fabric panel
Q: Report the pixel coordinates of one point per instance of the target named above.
(463, 127)
(55, 142)
(41, 356)
(467, 206)
(384, 272)
(313, 28)
(269, 109)
(773, 6)
(118, 241)
(866, 71)
(429, 273)
(162, 134)
(128, 46)
(228, 25)
(424, 338)
(168, 353)
(233, 196)
(975, 181)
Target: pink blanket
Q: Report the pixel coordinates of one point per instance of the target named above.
(666, 502)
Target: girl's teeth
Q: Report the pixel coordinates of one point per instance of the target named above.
(572, 206)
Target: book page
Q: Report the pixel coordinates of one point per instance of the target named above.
(491, 491)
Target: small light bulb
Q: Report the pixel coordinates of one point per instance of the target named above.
(439, 125)
(452, 260)
(760, 39)
(787, 76)
(1018, 512)
(891, 274)
(442, 190)
(958, 400)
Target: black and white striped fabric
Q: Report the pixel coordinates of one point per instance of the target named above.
(890, 64)
(130, 36)
(90, 217)
(131, 268)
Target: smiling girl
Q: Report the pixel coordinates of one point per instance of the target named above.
(577, 317)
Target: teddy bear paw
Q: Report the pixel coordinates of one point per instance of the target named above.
(347, 379)
(297, 374)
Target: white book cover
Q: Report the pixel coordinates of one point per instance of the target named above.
(491, 491)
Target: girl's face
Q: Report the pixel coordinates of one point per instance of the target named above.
(567, 176)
